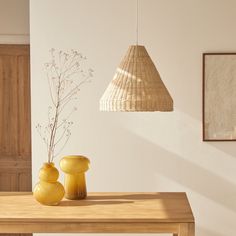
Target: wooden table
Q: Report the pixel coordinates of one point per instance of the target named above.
(99, 213)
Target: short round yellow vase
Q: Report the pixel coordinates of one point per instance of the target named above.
(48, 191)
(74, 168)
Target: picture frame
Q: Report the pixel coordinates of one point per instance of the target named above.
(219, 96)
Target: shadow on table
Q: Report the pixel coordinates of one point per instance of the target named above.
(116, 198)
(136, 196)
(90, 202)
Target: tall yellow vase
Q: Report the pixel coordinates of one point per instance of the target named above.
(74, 168)
(48, 191)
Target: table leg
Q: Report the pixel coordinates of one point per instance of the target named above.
(186, 229)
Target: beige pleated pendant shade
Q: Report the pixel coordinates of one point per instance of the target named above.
(136, 86)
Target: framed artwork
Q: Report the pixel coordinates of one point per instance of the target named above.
(219, 96)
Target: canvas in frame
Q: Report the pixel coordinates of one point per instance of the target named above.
(219, 96)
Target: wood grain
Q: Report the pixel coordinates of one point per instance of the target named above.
(105, 227)
(186, 229)
(99, 213)
(15, 130)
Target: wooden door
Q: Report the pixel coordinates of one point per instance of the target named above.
(15, 129)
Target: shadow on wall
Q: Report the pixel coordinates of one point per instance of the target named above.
(228, 147)
(149, 158)
(187, 174)
(190, 162)
(145, 145)
(183, 169)
(202, 231)
(180, 134)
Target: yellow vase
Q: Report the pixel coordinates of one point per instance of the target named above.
(48, 191)
(74, 168)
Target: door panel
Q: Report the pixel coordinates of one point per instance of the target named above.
(15, 130)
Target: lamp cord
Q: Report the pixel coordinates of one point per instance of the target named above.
(137, 22)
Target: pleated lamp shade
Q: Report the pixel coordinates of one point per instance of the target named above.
(136, 86)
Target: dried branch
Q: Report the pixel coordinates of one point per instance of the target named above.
(64, 76)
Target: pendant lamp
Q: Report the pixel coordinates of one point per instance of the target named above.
(137, 85)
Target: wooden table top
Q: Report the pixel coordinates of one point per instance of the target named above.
(98, 207)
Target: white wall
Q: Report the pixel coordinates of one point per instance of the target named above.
(143, 151)
(14, 21)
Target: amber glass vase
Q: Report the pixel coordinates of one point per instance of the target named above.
(48, 191)
(74, 168)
